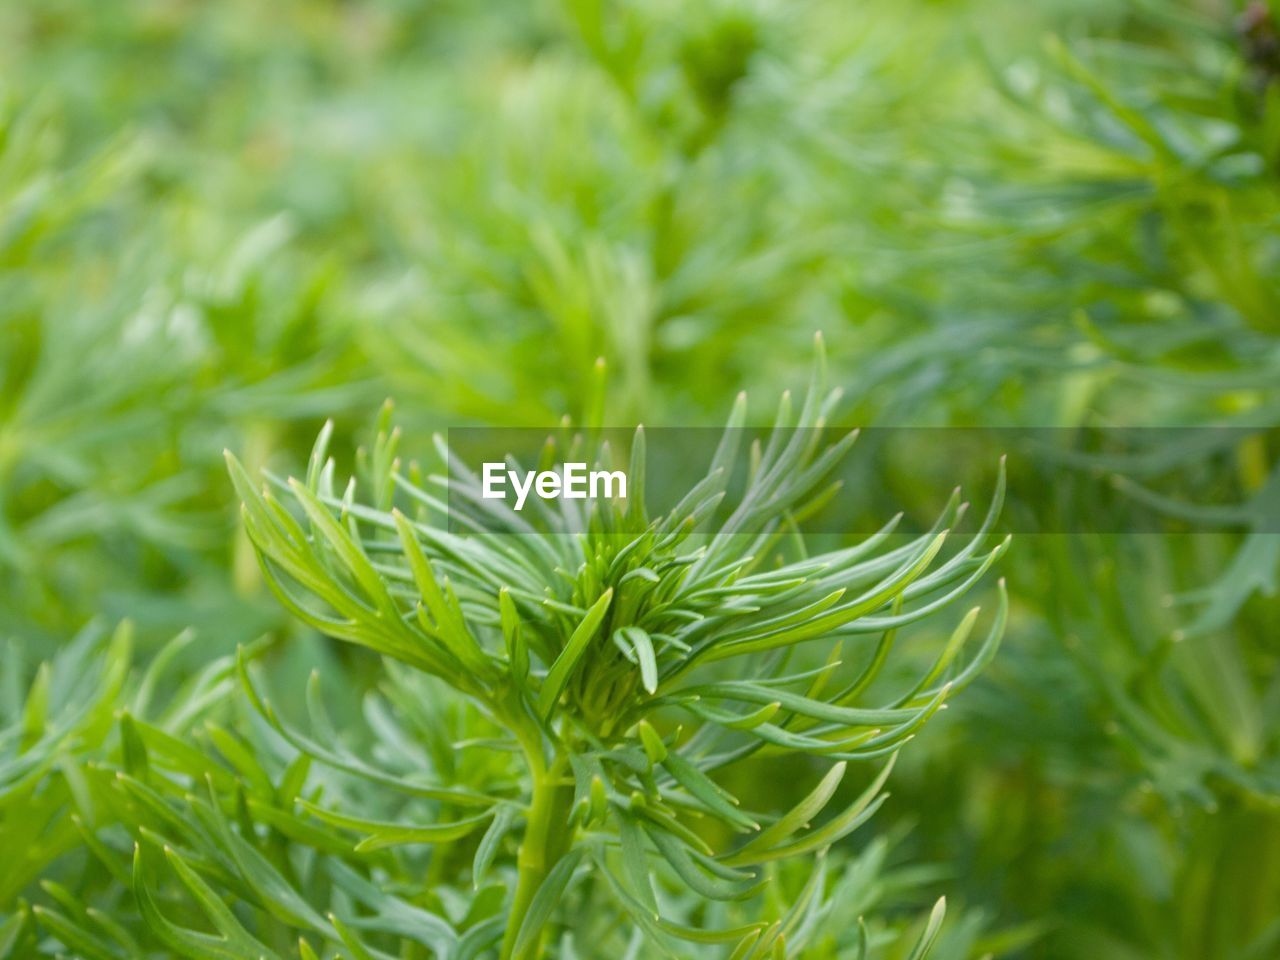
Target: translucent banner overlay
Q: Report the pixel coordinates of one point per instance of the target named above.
(1102, 480)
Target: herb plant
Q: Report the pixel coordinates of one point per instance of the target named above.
(619, 670)
(221, 223)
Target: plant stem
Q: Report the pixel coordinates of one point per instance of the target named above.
(545, 841)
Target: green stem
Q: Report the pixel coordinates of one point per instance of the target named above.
(545, 842)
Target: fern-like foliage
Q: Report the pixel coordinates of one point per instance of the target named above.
(626, 665)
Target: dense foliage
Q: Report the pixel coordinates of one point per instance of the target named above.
(222, 225)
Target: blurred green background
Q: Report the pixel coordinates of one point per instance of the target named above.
(222, 222)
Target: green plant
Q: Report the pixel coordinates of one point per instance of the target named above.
(464, 206)
(1115, 219)
(614, 671)
(104, 501)
(71, 744)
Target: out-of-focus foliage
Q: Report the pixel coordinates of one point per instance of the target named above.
(222, 223)
(1124, 213)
